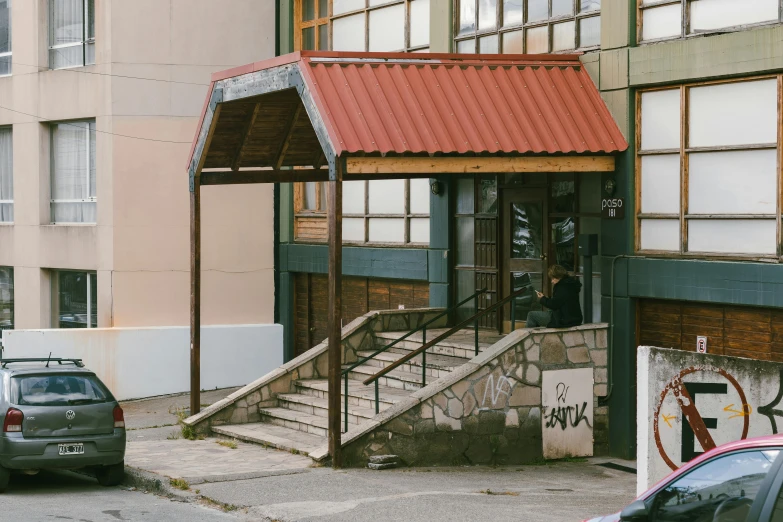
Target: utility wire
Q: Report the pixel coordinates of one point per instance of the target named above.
(96, 130)
(40, 68)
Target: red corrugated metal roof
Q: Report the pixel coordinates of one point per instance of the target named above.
(460, 104)
(453, 103)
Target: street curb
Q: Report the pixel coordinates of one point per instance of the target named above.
(146, 481)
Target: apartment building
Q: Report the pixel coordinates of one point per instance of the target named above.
(695, 88)
(99, 100)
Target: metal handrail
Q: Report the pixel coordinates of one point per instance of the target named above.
(422, 327)
(450, 332)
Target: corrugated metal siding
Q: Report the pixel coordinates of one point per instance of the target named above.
(442, 107)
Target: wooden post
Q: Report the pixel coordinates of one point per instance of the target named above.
(335, 217)
(195, 296)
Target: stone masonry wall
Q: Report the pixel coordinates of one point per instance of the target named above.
(242, 406)
(489, 410)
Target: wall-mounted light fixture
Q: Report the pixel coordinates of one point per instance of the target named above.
(435, 186)
(610, 186)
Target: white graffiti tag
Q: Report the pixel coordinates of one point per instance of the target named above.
(504, 387)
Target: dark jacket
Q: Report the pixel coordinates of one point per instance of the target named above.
(564, 303)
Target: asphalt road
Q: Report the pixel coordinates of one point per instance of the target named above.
(64, 496)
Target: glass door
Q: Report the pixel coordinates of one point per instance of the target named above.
(524, 250)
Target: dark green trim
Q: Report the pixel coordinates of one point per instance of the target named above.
(286, 212)
(622, 404)
(386, 263)
(746, 284)
(439, 295)
(440, 219)
(286, 299)
(285, 26)
(438, 266)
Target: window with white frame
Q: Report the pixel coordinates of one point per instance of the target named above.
(5, 37)
(707, 169)
(73, 172)
(527, 26)
(665, 19)
(376, 211)
(380, 25)
(74, 299)
(6, 175)
(71, 33)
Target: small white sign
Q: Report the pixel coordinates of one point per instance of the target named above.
(567, 404)
(701, 344)
(401, 307)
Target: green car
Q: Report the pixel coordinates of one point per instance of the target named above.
(56, 414)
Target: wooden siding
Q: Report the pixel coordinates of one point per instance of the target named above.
(756, 333)
(360, 295)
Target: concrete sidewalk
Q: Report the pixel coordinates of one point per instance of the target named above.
(256, 483)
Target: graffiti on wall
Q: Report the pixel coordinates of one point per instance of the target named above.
(690, 403)
(568, 418)
(494, 391)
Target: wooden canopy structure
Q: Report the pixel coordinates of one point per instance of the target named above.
(327, 116)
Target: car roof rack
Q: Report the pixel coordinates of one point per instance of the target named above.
(76, 362)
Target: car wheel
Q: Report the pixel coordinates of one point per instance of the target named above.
(111, 475)
(5, 478)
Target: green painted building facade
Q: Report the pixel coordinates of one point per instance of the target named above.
(635, 282)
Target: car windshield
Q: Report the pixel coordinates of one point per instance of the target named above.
(58, 389)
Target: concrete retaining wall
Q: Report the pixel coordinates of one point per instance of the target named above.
(489, 411)
(242, 406)
(144, 362)
(725, 399)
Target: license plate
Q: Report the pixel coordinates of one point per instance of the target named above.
(71, 449)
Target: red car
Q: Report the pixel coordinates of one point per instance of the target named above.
(738, 482)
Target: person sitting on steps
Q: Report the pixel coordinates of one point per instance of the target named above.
(564, 307)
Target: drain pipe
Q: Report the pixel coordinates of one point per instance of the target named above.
(610, 350)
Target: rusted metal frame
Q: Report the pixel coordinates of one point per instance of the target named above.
(247, 131)
(291, 127)
(335, 233)
(230, 177)
(470, 320)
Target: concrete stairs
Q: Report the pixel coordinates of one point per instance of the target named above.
(299, 421)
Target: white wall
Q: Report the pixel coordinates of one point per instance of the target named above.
(144, 362)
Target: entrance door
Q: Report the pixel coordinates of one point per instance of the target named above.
(524, 250)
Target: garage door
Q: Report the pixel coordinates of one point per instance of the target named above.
(360, 295)
(756, 333)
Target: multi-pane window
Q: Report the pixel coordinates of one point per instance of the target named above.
(707, 169)
(380, 25)
(313, 31)
(73, 173)
(71, 33)
(6, 299)
(75, 299)
(386, 211)
(6, 175)
(5, 37)
(527, 26)
(664, 19)
(377, 211)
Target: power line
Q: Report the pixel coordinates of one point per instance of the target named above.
(40, 68)
(96, 130)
